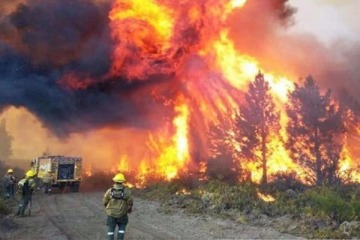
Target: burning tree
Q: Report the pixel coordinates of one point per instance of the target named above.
(315, 132)
(257, 123)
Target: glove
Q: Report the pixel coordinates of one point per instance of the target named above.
(130, 209)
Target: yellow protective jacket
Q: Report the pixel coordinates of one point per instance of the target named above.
(117, 207)
(32, 185)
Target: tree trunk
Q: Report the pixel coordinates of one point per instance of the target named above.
(263, 158)
(318, 161)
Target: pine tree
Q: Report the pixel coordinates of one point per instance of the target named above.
(223, 164)
(315, 132)
(256, 122)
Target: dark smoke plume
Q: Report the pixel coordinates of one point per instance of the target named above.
(41, 42)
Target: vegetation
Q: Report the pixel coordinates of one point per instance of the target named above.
(314, 212)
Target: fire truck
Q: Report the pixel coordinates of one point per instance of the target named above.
(65, 171)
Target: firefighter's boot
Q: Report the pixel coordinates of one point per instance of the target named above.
(120, 235)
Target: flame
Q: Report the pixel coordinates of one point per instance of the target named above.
(124, 164)
(167, 156)
(266, 197)
(347, 165)
(88, 170)
(174, 157)
(183, 192)
(144, 25)
(147, 11)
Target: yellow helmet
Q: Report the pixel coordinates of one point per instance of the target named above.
(119, 178)
(30, 173)
(10, 170)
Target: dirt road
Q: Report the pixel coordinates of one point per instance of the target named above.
(78, 216)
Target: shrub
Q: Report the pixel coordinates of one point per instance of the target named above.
(283, 182)
(219, 196)
(4, 207)
(328, 202)
(284, 204)
(160, 190)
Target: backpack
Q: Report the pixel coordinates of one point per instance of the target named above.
(117, 193)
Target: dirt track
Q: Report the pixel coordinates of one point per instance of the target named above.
(81, 216)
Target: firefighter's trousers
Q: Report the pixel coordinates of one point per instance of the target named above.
(23, 205)
(10, 191)
(121, 223)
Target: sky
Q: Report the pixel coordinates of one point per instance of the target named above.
(328, 20)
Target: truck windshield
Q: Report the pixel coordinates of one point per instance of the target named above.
(66, 171)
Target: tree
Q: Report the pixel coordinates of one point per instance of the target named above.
(256, 122)
(350, 112)
(315, 132)
(223, 164)
(5, 141)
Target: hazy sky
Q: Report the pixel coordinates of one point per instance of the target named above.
(328, 19)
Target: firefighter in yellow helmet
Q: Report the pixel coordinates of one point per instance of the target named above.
(118, 203)
(26, 187)
(9, 182)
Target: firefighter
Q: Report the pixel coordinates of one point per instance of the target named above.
(47, 181)
(118, 203)
(9, 182)
(26, 187)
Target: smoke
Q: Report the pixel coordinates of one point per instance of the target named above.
(43, 42)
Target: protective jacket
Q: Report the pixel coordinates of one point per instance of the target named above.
(26, 186)
(118, 206)
(9, 180)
